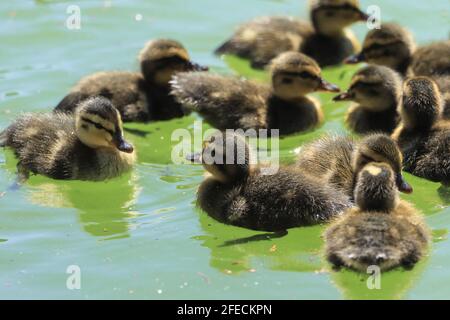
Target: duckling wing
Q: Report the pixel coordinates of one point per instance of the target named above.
(432, 60)
(126, 90)
(40, 141)
(224, 102)
(262, 39)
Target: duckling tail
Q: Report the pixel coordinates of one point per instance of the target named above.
(225, 47)
(3, 138)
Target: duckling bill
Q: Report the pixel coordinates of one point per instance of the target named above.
(325, 39)
(139, 97)
(89, 146)
(238, 193)
(232, 103)
(376, 91)
(381, 230)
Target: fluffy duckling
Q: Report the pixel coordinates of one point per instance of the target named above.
(376, 91)
(381, 230)
(337, 160)
(139, 96)
(423, 136)
(237, 192)
(89, 146)
(393, 46)
(327, 40)
(232, 103)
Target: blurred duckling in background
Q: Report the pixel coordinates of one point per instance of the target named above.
(233, 103)
(326, 39)
(381, 230)
(376, 91)
(139, 96)
(423, 136)
(337, 160)
(89, 146)
(239, 193)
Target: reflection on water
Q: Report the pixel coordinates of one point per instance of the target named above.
(394, 284)
(103, 211)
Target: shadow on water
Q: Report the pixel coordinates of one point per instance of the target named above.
(233, 249)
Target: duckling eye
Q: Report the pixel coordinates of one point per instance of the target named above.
(329, 13)
(287, 80)
(98, 126)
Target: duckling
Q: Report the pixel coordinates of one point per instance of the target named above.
(381, 230)
(89, 146)
(239, 193)
(393, 46)
(139, 96)
(337, 160)
(423, 136)
(232, 103)
(376, 91)
(327, 40)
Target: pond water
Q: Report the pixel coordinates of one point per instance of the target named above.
(141, 236)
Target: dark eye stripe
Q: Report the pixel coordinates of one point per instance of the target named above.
(98, 125)
(303, 74)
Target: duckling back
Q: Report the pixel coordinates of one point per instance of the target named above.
(381, 230)
(224, 102)
(431, 60)
(276, 202)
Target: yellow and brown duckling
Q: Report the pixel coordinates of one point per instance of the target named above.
(233, 103)
(239, 193)
(87, 146)
(381, 230)
(139, 96)
(393, 46)
(327, 40)
(337, 160)
(423, 136)
(376, 91)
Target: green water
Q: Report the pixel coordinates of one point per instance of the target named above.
(140, 236)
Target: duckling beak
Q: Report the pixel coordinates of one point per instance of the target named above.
(363, 16)
(197, 67)
(327, 86)
(344, 96)
(195, 157)
(355, 58)
(121, 144)
(402, 185)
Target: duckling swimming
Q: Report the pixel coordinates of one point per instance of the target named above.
(393, 46)
(381, 230)
(337, 160)
(139, 96)
(237, 192)
(327, 40)
(376, 91)
(232, 103)
(423, 136)
(89, 146)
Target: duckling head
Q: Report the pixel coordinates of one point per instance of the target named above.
(226, 156)
(376, 88)
(99, 125)
(390, 45)
(380, 148)
(295, 75)
(330, 17)
(375, 188)
(162, 58)
(421, 103)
